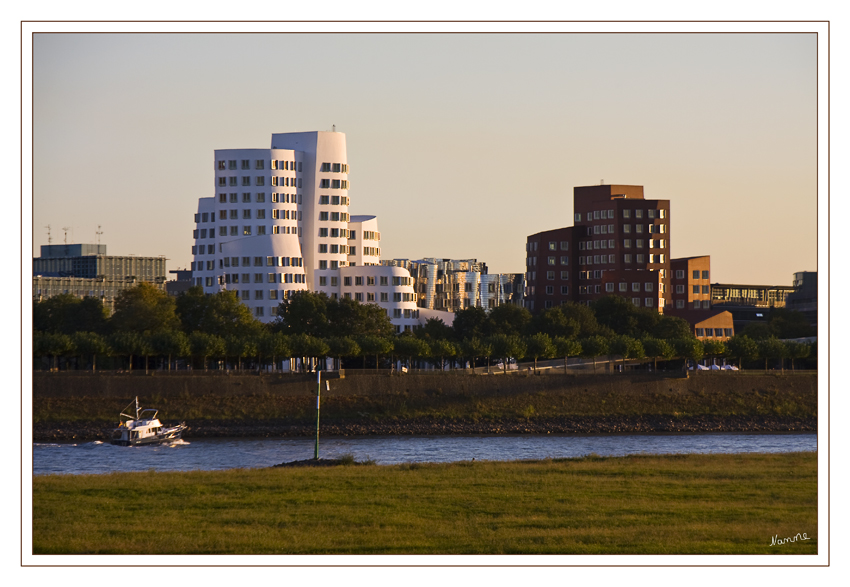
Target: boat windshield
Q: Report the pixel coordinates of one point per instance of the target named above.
(149, 414)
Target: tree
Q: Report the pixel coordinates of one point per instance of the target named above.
(594, 346)
(90, 344)
(655, 348)
(566, 347)
(790, 324)
(714, 348)
(539, 346)
(671, 328)
(743, 347)
(374, 345)
(276, 345)
(474, 348)
(623, 317)
(443, 348)
(583, 315)
(239, 347)
(342, 346)
(508, 319)
(434, 329)
(144, 308)
(797, 350)
(68, 314)
(318, 315)
(126, 343)
(170, 343)
(221, 314)
(410, 347)
(203, 346)
(688, 348)
(506, 346)
(758, 330)
(469, 323)
(772, 348)
(626, 347)
(49, 344)
(554, 322)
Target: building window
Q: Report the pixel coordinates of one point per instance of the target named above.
(635, 286)
(627, 258)
(639, 258)
(565, 274)
(550, 290)
(705, 289)
(553, 246)
(706, 304)
(627, 213)
(385, 297)
(649, 302)
(323, 264)
(261, 230)
(577, 217)
(705, 274)
(549, 275)
(680, 304)
(246, 230)
(609, 287)
(323, 215)
(696, 305)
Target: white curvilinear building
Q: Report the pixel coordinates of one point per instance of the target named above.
(279, 222)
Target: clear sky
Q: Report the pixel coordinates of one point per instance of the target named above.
(462, 145)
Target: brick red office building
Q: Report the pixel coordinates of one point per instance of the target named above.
(619, 244)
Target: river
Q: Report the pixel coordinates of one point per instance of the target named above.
(230, 453)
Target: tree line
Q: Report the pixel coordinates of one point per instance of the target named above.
(201, 330)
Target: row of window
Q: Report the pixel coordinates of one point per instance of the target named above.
(604, 214)
(259, 164)
(259, 180)
(247, 262)
(334, 168)
(680, 289)
(705, 304)
(371, 235)
(265, 278)
(336, 233)
(714, 332)
(332, 184)
(284, 165)
(653, 244)
(259, 198)
(606, 259)
(333, 264)
(369, 251)
(334, 200)
(246, 164)
(282, 182)
(334, 216)
(336, 249)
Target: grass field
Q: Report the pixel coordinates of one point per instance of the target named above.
(690, 504)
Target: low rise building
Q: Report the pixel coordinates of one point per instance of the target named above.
(85, 270)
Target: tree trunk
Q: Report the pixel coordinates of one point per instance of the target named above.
(565, 365)
(94, 363)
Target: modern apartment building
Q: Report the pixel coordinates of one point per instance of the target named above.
(279, 222)
(85, 270)
(619, 244)
(691, 283)
(454, 284)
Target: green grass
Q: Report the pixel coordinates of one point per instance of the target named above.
(573, 402)
(691, 504)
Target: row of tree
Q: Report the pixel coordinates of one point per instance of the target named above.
(271, 347)
(149, 323)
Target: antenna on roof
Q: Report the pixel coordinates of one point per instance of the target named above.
(49, 238)
(601, 182)
(66, 229)
(333, 126)
(98, 233)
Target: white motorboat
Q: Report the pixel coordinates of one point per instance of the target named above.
(144, 428)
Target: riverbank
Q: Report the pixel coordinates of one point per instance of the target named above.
(85, 407)
(682, 504)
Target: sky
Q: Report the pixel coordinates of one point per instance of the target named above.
(461, 144)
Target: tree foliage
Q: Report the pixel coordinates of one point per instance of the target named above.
(144, 308)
